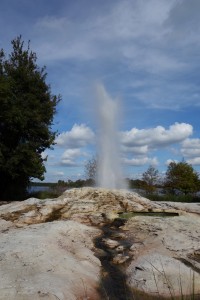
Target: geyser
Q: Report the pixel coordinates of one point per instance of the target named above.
(109, 171)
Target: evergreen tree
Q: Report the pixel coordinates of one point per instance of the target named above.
(27, 108)
(181, 176)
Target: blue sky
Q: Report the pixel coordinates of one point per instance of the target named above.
(145, 52)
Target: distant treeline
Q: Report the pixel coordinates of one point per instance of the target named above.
(66, 184)
(56, 189)
(50, 184)
(86, 182)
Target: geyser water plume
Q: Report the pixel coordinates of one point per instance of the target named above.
(109, 171)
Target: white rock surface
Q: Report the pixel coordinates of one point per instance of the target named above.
(171, 244)
(46, 252)
(157, 274)
(49, 261)
(86, 205)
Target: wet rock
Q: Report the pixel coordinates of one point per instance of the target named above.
(118, 222)
(120, 248)
(100, 253)
(110, 216)
(118, 235)
(120, 259)
(110, 243)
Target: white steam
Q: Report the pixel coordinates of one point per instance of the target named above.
(109, 173)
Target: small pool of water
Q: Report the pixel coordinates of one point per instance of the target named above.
(128, 215)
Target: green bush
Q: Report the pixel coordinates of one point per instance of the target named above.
(174, 198)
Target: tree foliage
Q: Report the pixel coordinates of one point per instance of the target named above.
(26, 117)
(150, 178)
(181, 176)
(135, 183)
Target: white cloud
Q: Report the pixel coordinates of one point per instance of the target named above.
(78, 136)
(191, 148)
(136, 144)
(132, 19)
(44, 155)
(194, 161)
(139, 143)
(56, 173)
(137, 150)
(141, 161)
(69, 163)
(155, 137)
(171, 95)
(60, 38)
(139, 36)
(169, 161)
(191, 151)
(124, 24)
(52, 23)
(70, 157)
(71, 153)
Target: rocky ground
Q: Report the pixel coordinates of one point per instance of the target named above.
(67, 248)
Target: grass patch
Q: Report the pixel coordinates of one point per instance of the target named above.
(174, 198)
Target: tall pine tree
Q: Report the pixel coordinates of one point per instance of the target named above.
(27, 108)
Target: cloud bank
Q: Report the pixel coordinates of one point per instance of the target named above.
(78, 136)
(190, 150)
(140, 141)
(138, 146)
